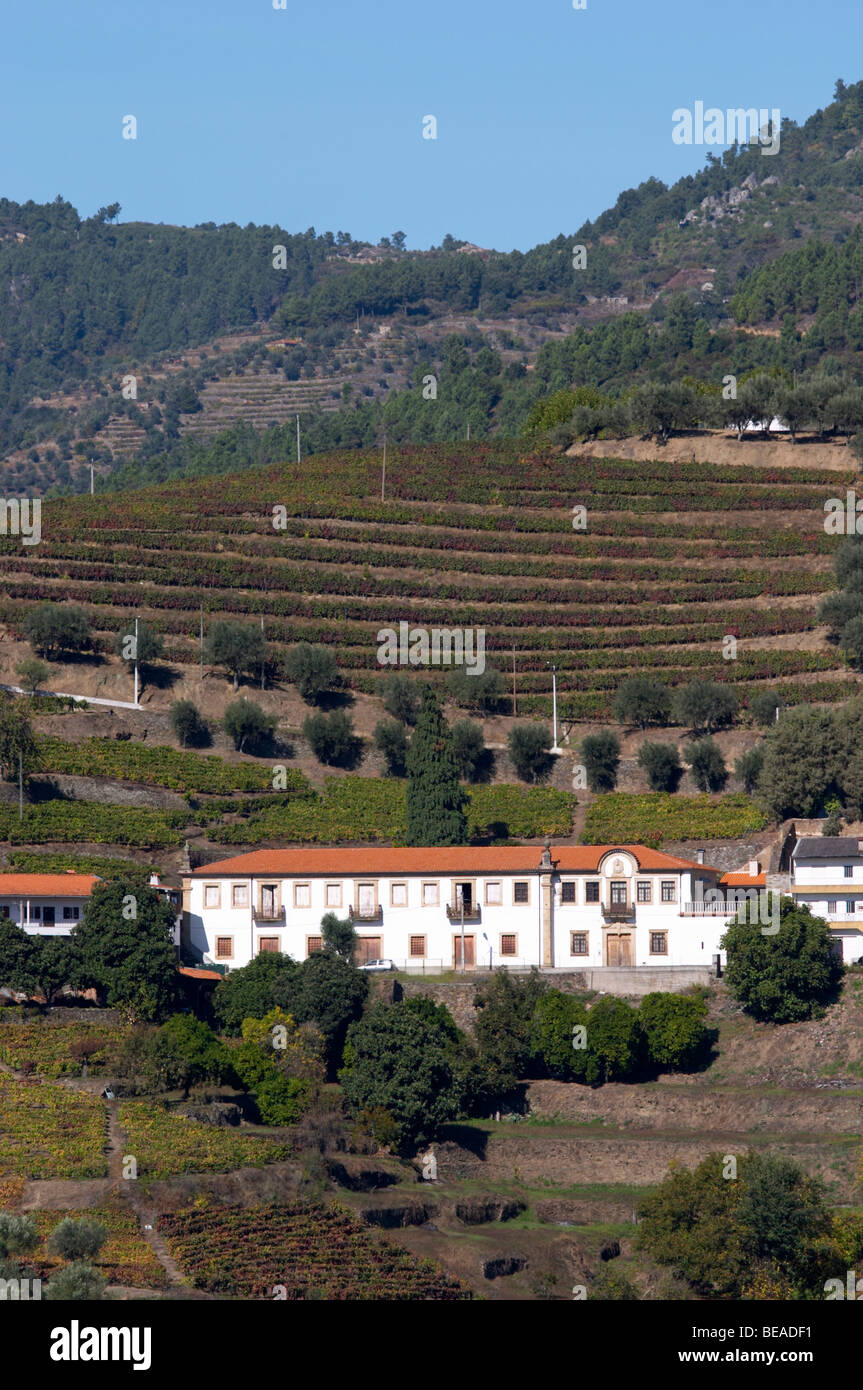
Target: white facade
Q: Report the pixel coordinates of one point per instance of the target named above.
(827, 877)
(626, 906)
(45, 904)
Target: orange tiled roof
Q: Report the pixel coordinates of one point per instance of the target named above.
(439, 860)
(740, 880)
(196, 974)
(47, 885)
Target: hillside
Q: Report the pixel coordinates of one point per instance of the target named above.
(753, 261)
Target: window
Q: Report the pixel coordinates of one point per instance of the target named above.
(224, 947)
(591, 892)
(659, 943)
(508, 944)
(240, 895)
(35, 912)
(399, 895)
(850, 905)
(848, 871)
(313, 944)
(618, 893)
(268, 943)
(578, 943)
(567, 892)
(644, 890)
(211, 895)
(431, 895)
(831, 906)
(70, 914)
(521, 892)
(334, 895)
(302, 895)
(416, 946)
(4, 911)
(668, 890)
(494, 893)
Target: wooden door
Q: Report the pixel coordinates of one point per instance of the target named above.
(469, 952)
(368, 948)
(618, 948)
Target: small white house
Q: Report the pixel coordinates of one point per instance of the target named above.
(45, 904)
(827, 877)
(431, 909)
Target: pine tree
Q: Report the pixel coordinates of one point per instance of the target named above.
(435, 800)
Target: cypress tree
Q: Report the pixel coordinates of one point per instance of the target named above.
(435, 800)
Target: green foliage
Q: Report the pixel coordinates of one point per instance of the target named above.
(249, 726)
(481, 692)
(763, 706)
(339, 935)
(469, 750)
(398, 1060)
(748, 768)
(504, 1028)
(250, 992)
(674, 1028)
(236, 646)
(313, 670)
(18, 1234)
(17, 739)
(601, 754)
(78, 1282)
(77, 1240)
(708, 765)
(641, 700)
(787, 976)
(529, 746)
(801, 763)
(160, 766)
(649, 819)
(124, 948)
(661, 762)
(281, 1100)
(32, 673)
(705, 705)
(188, 724)
(331, 738)
(612, 1286)
(57, 629)
(435, 804)
(390, 739)
(149, 648)
(400, 697)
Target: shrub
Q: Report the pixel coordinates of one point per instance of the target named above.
(312, 669)
(331, 737)
(54, 629)
(482, 692)
(248, 725)
(786, 976)
(18, 1234)
(188, 724)
(674, 1028)
(661, 762)
(601, 754)
(641, 700)
(401, 698)
(469, 750)
(77, 1240)
(748, 768)
(391, 740)
(236, 646)
(705, 705)
(708, 765)
(281, 1100)
(32, 673)
(529, 750)
(763, 706)
(77, 1283)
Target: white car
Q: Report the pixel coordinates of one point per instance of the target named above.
(378, 965)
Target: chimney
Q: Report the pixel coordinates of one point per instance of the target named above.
(699, 856)
(754, 868)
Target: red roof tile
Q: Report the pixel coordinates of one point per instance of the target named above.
(439, 860)
(739, 880)
(47, 885)
(195, 974)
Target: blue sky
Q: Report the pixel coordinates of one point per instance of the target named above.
(312, 115)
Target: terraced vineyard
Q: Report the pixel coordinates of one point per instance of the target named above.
(675, 557)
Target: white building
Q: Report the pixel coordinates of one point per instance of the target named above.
(45, 904)
(515, 905)
(827, 877)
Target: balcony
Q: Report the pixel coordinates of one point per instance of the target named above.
(269, 917)
(618, 912)
(700, 908)
(471, 911)
(366, 916)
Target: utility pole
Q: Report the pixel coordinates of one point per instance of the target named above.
(384, 469)
(136, 663)
(92, 481)
(299, 455)
(468, 431)
(555, 748)
(462, 931)
(263, 663)
(20, 786)
(202, 642)
(514, 696)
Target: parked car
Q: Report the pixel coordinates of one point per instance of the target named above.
(383, 964)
